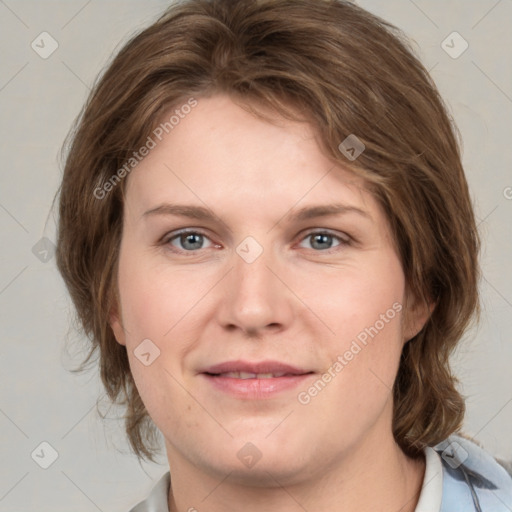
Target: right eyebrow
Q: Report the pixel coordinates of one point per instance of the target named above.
(192, 212)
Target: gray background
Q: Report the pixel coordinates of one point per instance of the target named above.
(41, 401)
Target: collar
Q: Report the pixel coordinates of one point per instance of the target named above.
(459, 475)
(432, 488)
(472, 479)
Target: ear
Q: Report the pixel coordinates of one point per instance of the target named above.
(417, 313)
(116, 324)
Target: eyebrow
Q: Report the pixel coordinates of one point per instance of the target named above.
(306, 213)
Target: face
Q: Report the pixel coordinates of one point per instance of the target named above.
(263, 332)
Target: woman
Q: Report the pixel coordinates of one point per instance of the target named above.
(282, 374)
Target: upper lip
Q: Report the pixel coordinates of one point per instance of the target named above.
(254, 367)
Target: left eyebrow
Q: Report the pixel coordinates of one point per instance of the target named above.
(312, 212)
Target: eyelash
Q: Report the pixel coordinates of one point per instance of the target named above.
(167, 239)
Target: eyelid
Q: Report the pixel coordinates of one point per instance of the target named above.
(324, 231)
(173, 234)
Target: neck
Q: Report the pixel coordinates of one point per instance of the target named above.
(373, 476)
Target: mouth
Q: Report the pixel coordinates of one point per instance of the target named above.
(249, 375)
(254, 381)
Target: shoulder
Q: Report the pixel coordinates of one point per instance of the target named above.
(473, 480)
(157, 499)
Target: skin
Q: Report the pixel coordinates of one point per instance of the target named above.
(301, 302)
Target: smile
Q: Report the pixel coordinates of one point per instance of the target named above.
(248, 375)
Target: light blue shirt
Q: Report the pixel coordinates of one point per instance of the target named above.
(459, 477)
(472, 479)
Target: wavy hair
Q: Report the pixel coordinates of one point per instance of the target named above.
(346, 71)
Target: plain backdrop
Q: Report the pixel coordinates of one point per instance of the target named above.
(41, 401)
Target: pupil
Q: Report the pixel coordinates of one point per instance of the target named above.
(321, 239)
(193, 239)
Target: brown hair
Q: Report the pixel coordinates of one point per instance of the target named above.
(345, 71)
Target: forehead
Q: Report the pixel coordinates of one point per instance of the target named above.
(220, 153)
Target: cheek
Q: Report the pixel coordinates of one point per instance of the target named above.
(157, 300)
(158, 304)
(362, 295)
(362, 307)
(150, 312)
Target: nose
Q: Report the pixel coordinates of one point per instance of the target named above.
(255, 297)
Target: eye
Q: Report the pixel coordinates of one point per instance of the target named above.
(188, 241)
(322, 240)
(193, 241)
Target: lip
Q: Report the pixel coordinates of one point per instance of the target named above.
(267, 366)
(254, 388)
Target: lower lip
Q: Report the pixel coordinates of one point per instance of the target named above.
(256, 389)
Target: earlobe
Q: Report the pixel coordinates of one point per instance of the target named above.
(417, 314)
(117, 326)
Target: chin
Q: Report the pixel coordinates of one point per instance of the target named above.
(275, 471)
(256, 461)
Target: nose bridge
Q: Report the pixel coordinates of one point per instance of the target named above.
(254, 297)
(252, 278)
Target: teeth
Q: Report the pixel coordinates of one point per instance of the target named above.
(247, 375)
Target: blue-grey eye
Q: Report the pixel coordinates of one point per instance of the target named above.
(189, 241)
(324, 241)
